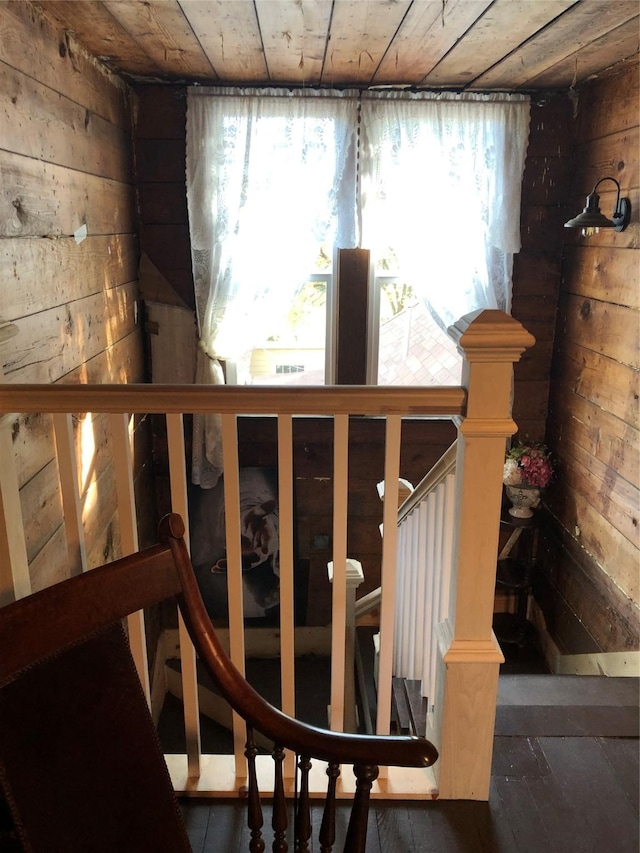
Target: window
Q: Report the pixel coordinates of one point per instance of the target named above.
(278, 180)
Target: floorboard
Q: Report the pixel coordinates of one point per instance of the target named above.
(588, 782)
(624, 758)
(565, 779)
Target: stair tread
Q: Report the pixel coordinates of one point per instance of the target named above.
(558, 690)
(364, 640)
(567, 706)
(417, 705)
(401, 706)
(567, 721)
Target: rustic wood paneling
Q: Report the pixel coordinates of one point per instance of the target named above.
(604, 327)
(66, 160)
(592, 557)
(60, 130)
(535, 363)
(615, 154)
(606, 274)
(548, 179)
(612, 103)
(165, 36)
(161, 160)
(42, 199)
(518, 20)
(303, 27)
(51, 564)
(48, 54)
(159, 111)
(606, 383)
(541, 224)
(540, 310)
(455, 44)
(52, 343)
(160, 166)
(537, 267)
(536, 273)
(41, 508)
(596, 540)
(610, 439)
(538, 56)
(609, 495)
(350, 59)
(608, 615)
(33, 444)
(73, 270)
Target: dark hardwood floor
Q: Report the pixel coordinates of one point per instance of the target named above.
(548, 795)
(564, 780)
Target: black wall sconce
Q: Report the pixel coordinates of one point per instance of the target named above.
(591, 220)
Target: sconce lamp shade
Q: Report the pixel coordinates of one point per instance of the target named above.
(592, 219)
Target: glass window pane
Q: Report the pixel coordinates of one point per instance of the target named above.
(293, 353)
(413, 349)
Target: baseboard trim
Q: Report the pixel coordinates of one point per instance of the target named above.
(611, 664)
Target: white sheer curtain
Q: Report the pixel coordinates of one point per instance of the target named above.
(271, 176)
(440, 182)
(267, 172)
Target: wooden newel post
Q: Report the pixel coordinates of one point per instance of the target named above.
(462, 715)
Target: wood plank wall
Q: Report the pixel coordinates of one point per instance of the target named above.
(160, 152)
(537, 267)
(66, 162)
(589, 550)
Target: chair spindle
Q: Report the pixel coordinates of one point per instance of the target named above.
(254, 807)
(303, 815)
(328, 827)
(365, 774)
(279, 817)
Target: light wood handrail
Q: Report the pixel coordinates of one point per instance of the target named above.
(229, 399)
(444, 466)
(368, 602)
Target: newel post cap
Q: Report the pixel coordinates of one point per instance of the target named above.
(490, 335)
(354, 572)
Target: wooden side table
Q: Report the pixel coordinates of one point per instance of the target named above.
(515, 565)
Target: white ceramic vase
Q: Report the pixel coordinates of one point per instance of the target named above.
(522, 498)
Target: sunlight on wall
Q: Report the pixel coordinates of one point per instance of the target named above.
(87, 463)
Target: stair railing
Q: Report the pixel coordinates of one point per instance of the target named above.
(467, 656)
(194, 772)
(426, 522)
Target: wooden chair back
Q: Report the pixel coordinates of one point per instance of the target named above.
(80, 763)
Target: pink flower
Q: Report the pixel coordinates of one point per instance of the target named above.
(528, 466)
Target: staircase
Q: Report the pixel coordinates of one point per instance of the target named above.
(567, 706)
(531, 701)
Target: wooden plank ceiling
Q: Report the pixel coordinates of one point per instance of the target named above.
(481, 45)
